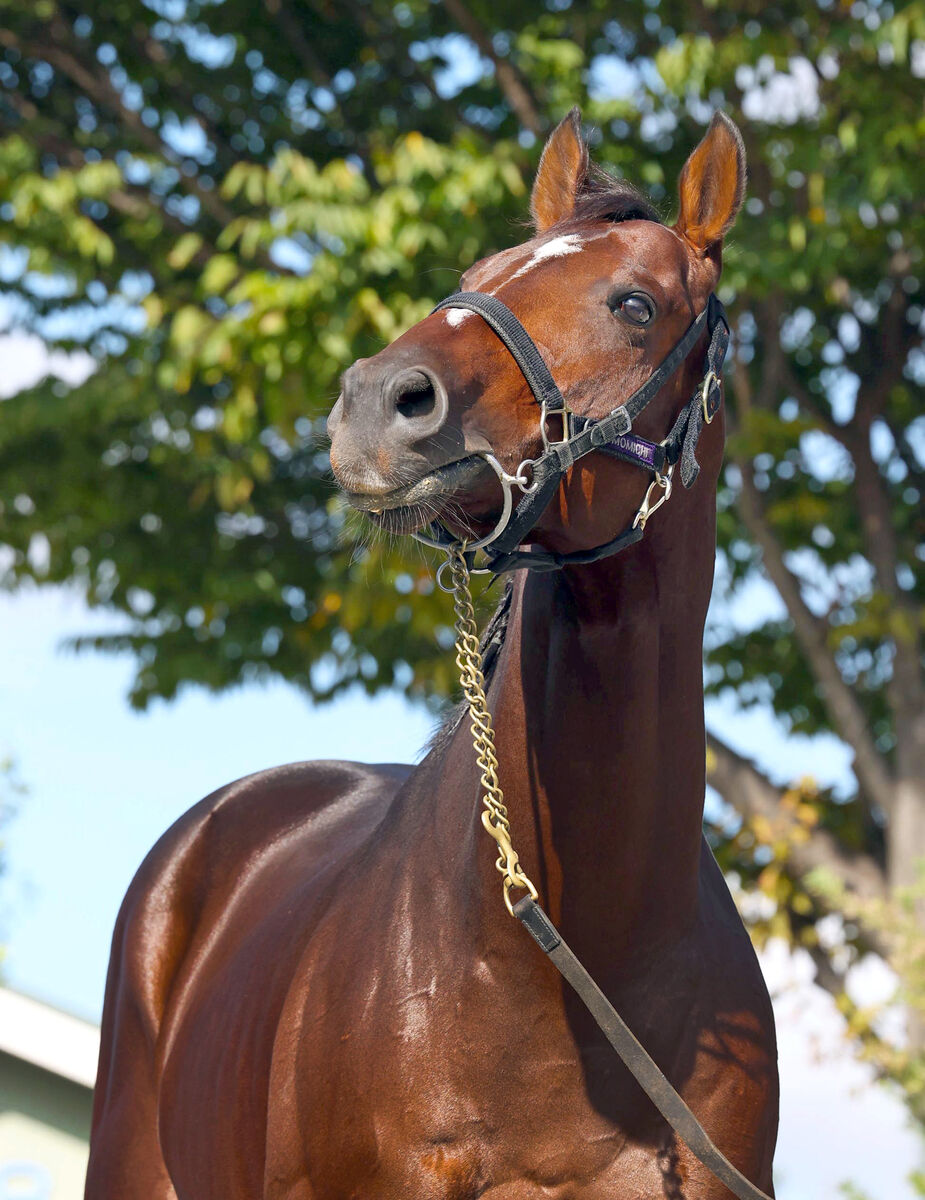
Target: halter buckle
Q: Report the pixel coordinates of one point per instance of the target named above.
(565, 413)
(711, 378)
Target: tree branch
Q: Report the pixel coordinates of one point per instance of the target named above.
(292, 32)
(133, 201)
(845, 713)
(752, 794)
(889, 344)
(511, 82)
(103, 93)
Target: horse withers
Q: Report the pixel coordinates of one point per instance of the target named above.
(316, 991)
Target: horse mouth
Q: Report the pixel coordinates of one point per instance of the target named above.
(411, 507)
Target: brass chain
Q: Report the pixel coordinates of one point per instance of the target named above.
(469, 662)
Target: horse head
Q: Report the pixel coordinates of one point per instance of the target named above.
(604, 290)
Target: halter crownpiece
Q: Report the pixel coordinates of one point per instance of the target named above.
(539, 478)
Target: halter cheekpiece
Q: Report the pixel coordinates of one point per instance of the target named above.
(539, 478)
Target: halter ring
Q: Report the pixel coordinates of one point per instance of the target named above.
(507, 481)
(520, 479)
(708, 382)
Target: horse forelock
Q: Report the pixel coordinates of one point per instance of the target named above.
(603, 200)
(603, 197)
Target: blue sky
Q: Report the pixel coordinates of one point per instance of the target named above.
(104, 782)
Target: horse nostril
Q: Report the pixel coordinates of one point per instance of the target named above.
(416, 401)
(414, 394)
(416, 404)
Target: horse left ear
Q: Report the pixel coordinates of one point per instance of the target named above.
(712, 186)
(561, 173)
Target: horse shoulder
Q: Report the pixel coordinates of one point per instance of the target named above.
(179, 891)
(190, 870)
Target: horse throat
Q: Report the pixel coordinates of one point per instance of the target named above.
(598, 707)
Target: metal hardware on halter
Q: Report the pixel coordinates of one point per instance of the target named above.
(527, 488)
(711, 379)
(507, 482)
(583, 435)
(545, 413)
(647, 508)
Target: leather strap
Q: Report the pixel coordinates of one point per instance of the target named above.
(610, 435)
(547, 560)
(495, 312)
(629, 447)
(632, 1052)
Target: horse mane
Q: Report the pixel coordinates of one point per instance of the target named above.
(490, 646)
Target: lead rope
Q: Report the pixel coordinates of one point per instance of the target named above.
(469, 661)
(529, 912)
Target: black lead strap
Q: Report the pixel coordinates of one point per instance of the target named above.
(632, 1052)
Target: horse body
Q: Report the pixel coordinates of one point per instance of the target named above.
(316, 992)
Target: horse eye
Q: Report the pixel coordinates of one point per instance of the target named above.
(636, 307)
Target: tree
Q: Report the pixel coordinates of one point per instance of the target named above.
(226, 205)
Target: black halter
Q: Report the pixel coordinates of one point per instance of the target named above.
(580, 435)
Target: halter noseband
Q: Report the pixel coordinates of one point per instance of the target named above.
(580, 435)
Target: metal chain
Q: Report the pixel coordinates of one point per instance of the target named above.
(469, 662)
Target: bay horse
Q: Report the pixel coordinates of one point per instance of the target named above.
(315, 990)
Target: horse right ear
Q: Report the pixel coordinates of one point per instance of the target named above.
(561, 173)
(712, 186)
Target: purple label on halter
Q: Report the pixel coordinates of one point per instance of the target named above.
(644, 451)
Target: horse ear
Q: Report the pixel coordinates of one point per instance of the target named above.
(561, 172)
(712, 186)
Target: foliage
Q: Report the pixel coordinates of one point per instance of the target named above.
(184, 482)
(778, 899)
(228, 207)
(896, 922)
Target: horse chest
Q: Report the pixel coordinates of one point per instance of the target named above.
(446, 1085)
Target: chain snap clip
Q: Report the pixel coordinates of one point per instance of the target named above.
(648, 506)
(469, 662)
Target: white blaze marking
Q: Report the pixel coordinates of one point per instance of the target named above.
(557, 247)
(568, 243)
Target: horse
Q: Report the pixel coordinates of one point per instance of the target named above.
(315, 990)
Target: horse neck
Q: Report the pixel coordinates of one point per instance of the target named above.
(598, 703)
